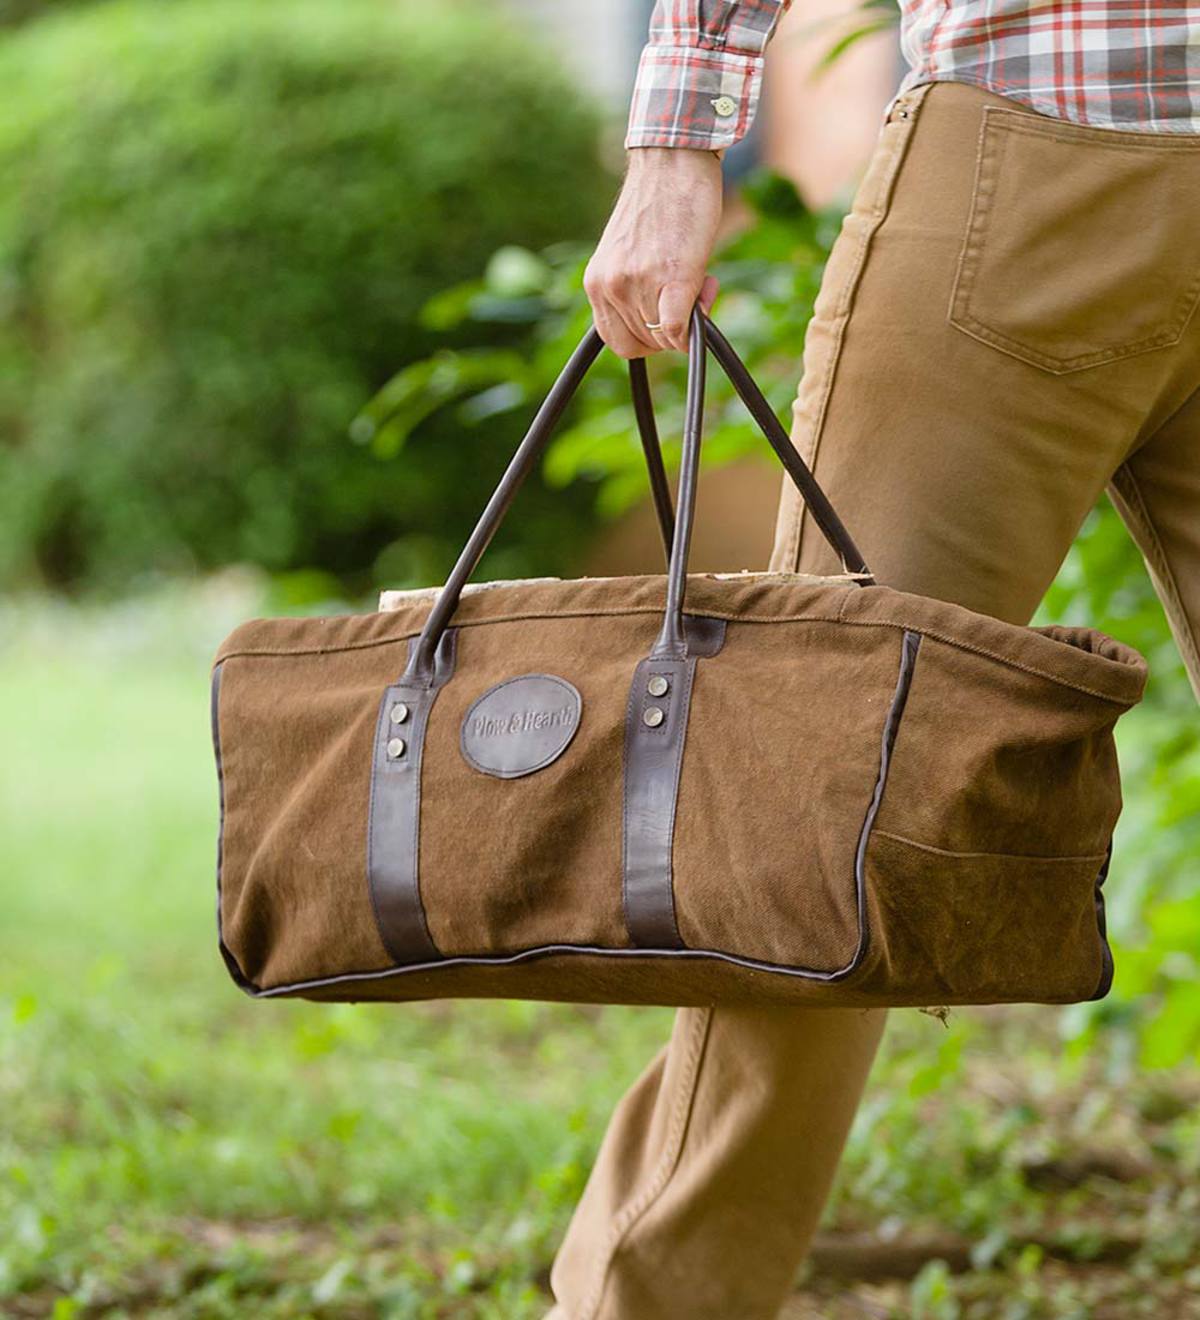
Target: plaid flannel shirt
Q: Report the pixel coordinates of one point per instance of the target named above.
(699, 77)
(1110, 63)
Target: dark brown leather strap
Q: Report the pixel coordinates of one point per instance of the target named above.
(831, 526)
(656, 716)
(394, 819)
(660, 489)
(420, 667)
(656, 721)
(420, 664)
(672, 640)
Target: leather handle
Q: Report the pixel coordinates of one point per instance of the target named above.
(672, 639)
(420, 663)
(824, 515)
(660, 490)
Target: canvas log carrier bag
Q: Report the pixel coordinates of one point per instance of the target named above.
(753, 787)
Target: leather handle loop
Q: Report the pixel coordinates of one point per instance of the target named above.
(824, 515)
(660, 489)
(676, 527)
(420, 664)
(672, 640)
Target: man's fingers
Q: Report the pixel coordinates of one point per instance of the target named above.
(638, 329)
(624, 313)
(675, 309)
(615, 314)
(708, 293)
(675, 302)
(615, 333)
(627, 295)
(649, 316)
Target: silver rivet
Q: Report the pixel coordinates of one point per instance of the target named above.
(658, 685)
(395, 748)
(653, 716)
(399, 713)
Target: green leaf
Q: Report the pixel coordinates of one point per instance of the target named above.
(419, 390)
(515, 272)
(841, 46)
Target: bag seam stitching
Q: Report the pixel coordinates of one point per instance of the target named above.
(836, 617)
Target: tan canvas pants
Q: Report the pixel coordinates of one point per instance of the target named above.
(1004, 329)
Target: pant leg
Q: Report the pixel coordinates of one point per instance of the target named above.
(963, 472)
(1157, 493)
(716, 1166)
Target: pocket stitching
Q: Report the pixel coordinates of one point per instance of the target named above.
(995, 122)
(1112, 139)
(957, 855)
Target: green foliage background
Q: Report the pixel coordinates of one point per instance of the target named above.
(218, 236)
(219, 221)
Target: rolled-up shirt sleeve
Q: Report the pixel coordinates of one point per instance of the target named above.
(700, 74)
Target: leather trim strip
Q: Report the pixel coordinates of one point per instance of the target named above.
(1106, 957)
(653, 759)
(230, 961)
(545, 951)
(394, 817)
(910, 644)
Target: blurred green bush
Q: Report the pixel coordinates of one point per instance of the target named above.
(13, 12)
(770, 272)
(218, 225)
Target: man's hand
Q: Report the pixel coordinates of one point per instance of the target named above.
(649, 267)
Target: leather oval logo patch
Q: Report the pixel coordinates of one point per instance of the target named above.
(520, 725)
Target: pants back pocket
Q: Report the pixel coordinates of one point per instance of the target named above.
(1082, 245)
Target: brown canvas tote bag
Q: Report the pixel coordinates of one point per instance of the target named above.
(762, 788)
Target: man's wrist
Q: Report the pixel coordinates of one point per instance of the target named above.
(662, 159)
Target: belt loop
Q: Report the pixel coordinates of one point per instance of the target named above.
(904, 106)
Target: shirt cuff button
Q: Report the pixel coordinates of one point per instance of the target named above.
(724, 106)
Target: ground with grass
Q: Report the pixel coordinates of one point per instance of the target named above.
(170, 1149)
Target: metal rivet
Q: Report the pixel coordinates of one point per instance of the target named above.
(399, 713)
(653, 716)
(395, 748)
(658, 685)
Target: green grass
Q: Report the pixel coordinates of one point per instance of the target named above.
(169, 1148)
(144, 1097)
